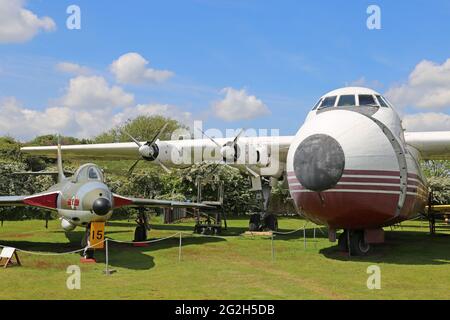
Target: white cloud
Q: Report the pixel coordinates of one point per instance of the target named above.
(88, 107)
(238, 105)
(18, 24)
(25, 123)
(428, 87)
(89, 93)
(165, 110)
(131, 68)
(429, 121)
(73, 69)
(363, 82)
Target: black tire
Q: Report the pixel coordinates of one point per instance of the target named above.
(343, 242)
(89, 254)
(255, 222)
(271, 222)
(358, 246)
(140, 234)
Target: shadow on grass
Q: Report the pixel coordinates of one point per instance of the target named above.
(230, 231)
(120, 255)
(137, 258)
(402, 248)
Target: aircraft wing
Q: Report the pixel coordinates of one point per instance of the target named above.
(11, 201)
(104, 151)
(42, 200)
(120, 201)
(441, 208)
(207, 149)
(431, 145)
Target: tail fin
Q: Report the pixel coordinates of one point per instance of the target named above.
(61, 175)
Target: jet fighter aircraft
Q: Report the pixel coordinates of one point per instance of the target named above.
(350, 166)
(84, 198)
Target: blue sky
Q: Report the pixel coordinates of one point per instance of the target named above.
(284, 53)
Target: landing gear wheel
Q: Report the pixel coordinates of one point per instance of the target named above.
(342, 242)
(271, 222)
(140, 234)
(358, 246)
(89, 254)
(255, 222)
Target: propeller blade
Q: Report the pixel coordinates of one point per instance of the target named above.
(130, 171)
(132, 138)
(253, 173)
(238, 136)
(163, 166)
(160, 131)
(215, 142)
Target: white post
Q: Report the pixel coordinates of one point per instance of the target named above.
(107, 257)
(179, 249)
(315, 242)
(273, 249)
(304, 237)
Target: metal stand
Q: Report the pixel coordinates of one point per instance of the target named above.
(213, 217)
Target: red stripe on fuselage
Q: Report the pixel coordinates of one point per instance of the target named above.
(393, 174)
(355, 210)
(359, 187)
(356, 206)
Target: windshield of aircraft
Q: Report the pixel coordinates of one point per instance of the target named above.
(89, 172)
(351, 100)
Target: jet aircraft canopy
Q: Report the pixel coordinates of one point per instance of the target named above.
(88, 172)
(352, 97)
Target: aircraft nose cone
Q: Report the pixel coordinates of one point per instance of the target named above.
(319, 162)
(101, 206)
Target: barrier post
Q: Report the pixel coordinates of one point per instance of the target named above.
(107, 270)
(273, 249)
(315, 242)
(304, 237)
(179, 249)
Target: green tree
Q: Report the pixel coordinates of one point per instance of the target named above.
(438, 178)
(238, 199)
(52, 140)
(142, 128)
(13, 184)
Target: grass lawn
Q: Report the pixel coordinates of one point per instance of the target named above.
(413, 265)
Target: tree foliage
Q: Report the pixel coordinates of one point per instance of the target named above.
(142, 128)
(438, 178)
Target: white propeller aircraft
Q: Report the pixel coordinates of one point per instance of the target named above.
(351, 166)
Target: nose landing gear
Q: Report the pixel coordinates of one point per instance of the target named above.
(143, 226)
(353, 242)
(263, 220)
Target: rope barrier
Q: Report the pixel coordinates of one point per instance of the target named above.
(38, 253)
(145, 242)
(288, 233)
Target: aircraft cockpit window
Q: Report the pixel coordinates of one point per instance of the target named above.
(317, 104)
(382, 102)
(93, 174)
(367, 100)
(328, 102)
(347, 100)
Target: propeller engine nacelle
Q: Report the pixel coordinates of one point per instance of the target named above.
(149, 152)
(230, 153)
(67, 226)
